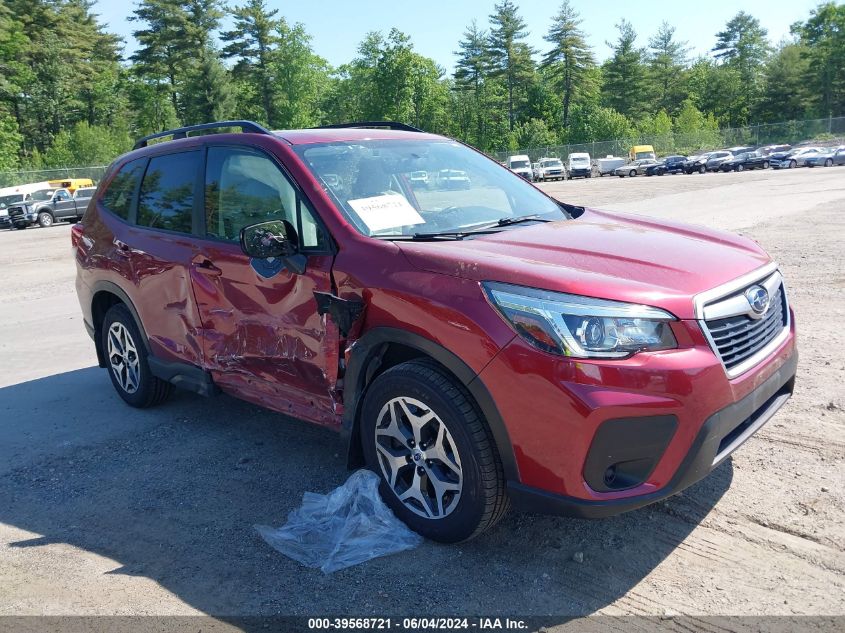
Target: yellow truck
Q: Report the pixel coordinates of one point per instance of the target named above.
(642, 151)
(71, 184)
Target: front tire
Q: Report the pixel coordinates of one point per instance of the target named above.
(440, 471)
(45, 220)
(828, 162)
(632, 173)
(740, 167)
(126, 359)
(793, 164)
(765, 164)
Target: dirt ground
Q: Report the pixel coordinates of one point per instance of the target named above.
(109, 510)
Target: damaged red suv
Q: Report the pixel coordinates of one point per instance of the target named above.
(480, 344)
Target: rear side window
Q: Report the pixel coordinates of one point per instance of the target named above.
(118, 197)
(167, 193)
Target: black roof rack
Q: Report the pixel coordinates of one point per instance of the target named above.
(390, 125)
(182, 132)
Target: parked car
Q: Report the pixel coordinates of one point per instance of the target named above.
(745, 160)
(48, 206)
(579, 165)
(550, 169)
(715, 159)
(827, 158)
(794, 158)
(521, 166)
(418, 179)
(773, 149)
(634, 168)
(656, 169)
(453, 179)
(696, 164)
(607, 165)
(674, 164)
(8, 197)
(434, 331)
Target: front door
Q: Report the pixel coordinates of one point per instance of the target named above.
(262, 336)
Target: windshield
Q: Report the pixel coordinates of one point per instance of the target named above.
(42, 194)
(518, 164)
(551, 163)
(5, 201)
(640, 155)
(369, 182)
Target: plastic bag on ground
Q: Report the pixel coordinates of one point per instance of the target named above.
(350, 525)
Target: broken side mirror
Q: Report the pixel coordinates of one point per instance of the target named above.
(274, 239)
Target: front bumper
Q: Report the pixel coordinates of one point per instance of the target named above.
(720, 435)
(580, 172)
(600, 437)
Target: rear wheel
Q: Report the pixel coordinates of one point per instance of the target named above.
(440, 470)
(702, 169)
(765, 164)
(126, 359)
(740, 168)
(828, 162)
(45, 219)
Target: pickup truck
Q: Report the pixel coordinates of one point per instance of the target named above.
(47, 206)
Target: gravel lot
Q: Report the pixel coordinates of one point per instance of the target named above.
(109, 510)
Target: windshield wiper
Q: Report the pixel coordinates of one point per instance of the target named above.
(480, 229)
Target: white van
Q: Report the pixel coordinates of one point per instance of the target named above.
(521, 165)
(579, 166)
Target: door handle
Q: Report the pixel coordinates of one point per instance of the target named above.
(207, 267)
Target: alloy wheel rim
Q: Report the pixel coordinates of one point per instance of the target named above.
(418, 458)
(123, 357)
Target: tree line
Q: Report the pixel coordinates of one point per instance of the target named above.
(68, 96)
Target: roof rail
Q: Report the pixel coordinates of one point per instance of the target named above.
(182, 132)
(390, 125)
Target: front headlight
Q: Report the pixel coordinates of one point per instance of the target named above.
(581, 327)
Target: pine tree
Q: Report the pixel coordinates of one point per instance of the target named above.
(510, 57)
(569, 59)
(743, 46)
(624, 88)
(252, 42)
(667, 61)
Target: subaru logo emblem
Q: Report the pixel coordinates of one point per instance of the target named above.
(758, 299)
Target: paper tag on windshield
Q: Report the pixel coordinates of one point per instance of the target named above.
(386, 212)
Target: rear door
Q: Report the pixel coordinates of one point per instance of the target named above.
(161, 248)
(262, 336)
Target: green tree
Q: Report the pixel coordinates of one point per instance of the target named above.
(624, 87)
(667, 61)
(657, 129)
(510, 56)
(785, 94)
(693, 130)
(252, 42)
(299, 77)
(570, 57)
(596, 123)
(10, 142)
(823, 38)
(532, 134)
(743, 46)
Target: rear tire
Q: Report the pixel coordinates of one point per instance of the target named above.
(126, 360)
(765, 164)
(702, 169)
(828, 162)
(740, 168)
(423, 435)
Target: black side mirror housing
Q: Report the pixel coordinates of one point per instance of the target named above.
(274, 238)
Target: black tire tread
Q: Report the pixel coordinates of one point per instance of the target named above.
(496, 500)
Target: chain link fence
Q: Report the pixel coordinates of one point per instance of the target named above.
(830, 131)
(25, 177)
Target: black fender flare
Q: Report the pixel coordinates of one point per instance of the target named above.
(120, 293)
(365, 358)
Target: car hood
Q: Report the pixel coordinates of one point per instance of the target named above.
(600, 254)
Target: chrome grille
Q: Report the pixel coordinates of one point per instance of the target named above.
(738, 337)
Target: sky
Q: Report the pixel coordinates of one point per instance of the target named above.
(436, 26)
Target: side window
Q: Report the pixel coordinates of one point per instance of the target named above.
(167, 193)
(243, 188)
(118, 197)
(62, 195)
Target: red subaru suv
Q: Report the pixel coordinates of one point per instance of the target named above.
(480, 344)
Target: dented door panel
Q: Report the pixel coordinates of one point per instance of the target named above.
(263, 338)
